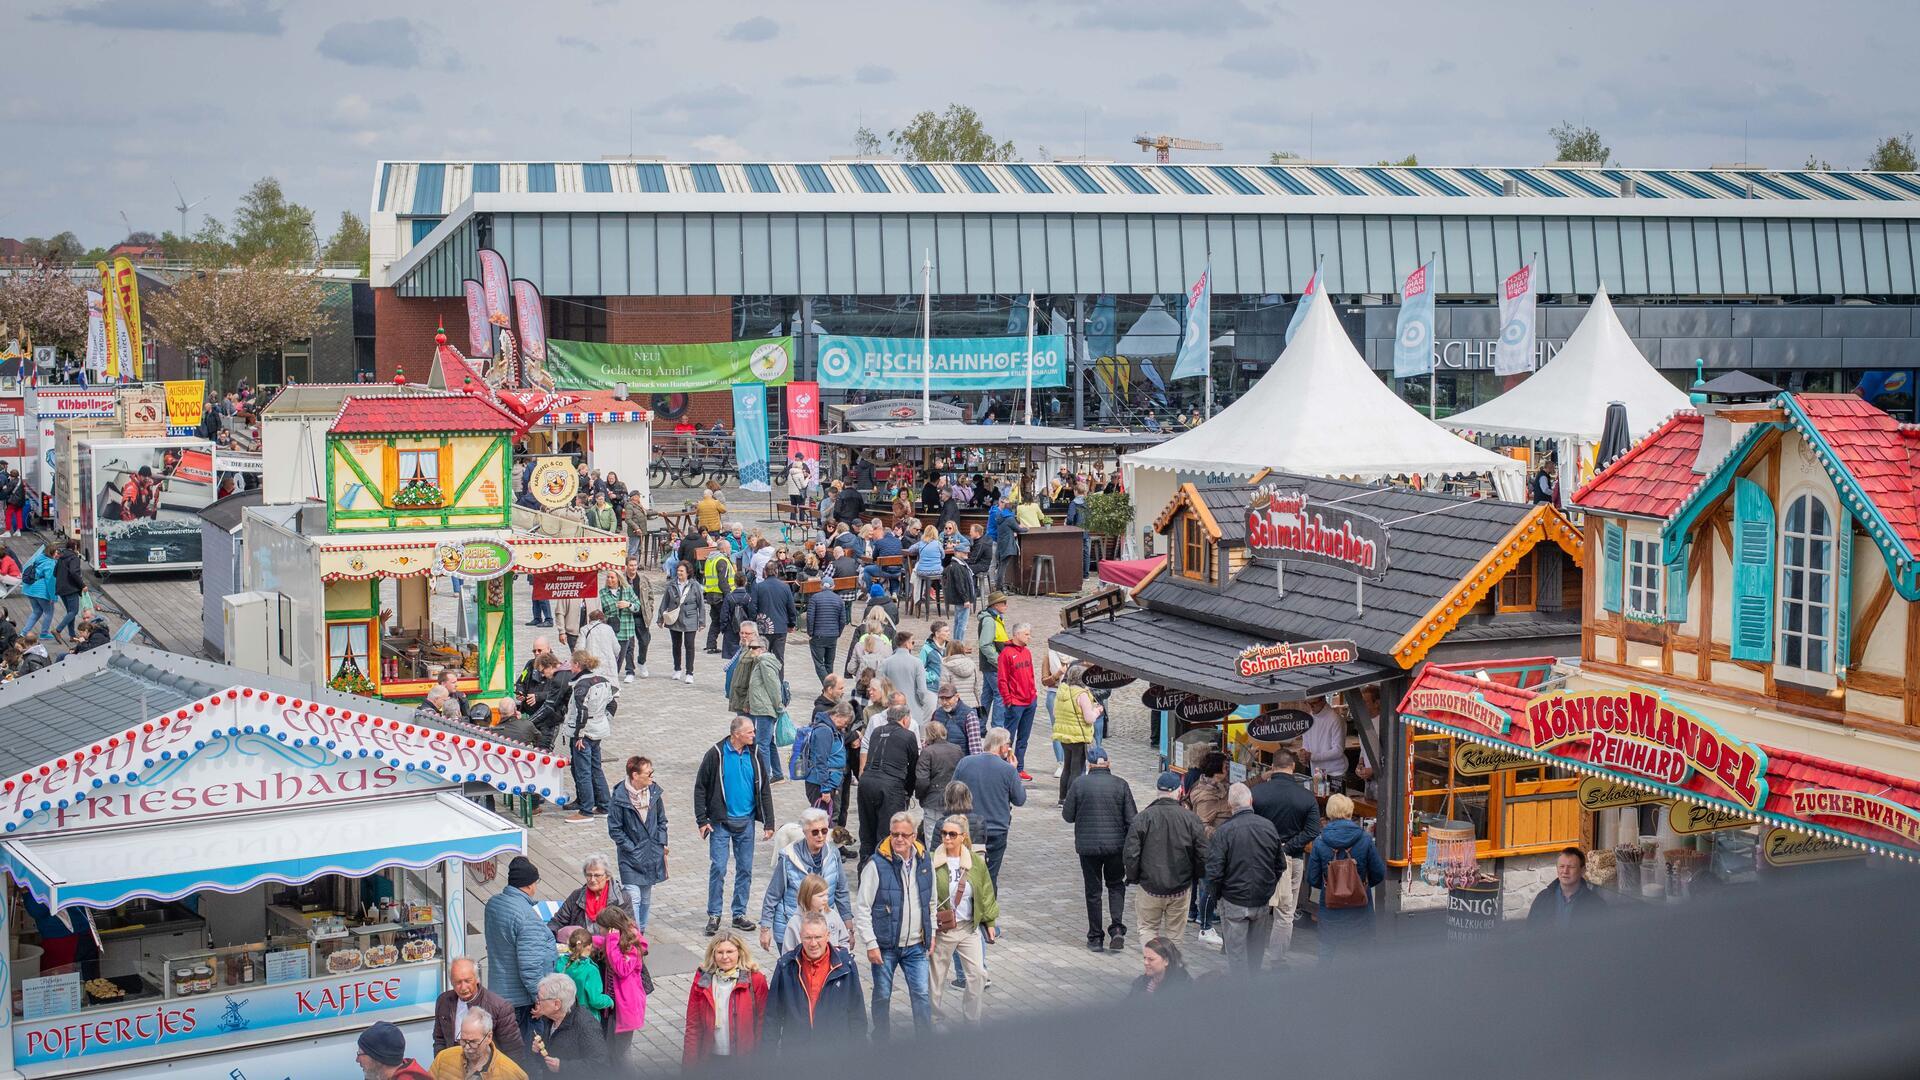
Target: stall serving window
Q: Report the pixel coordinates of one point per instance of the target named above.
(1513, 812)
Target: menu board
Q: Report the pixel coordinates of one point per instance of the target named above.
(52, 995)
(289, 965)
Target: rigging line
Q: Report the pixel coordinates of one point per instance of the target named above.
(1438, 510)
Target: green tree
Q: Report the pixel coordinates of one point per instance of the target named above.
(209, 247)
(268, 227)
(1894, 154)
(226, 315)
(349, 243)
(866, 143)
(1815, 164)
(955, 135)
(1579, 144)
(1409, 160)
(1281, 157)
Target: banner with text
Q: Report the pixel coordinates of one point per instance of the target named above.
(186, 399)
(750, 436)
(669, 369)
(997, 363)
(803, 418)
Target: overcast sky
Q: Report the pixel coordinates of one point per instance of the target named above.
(217, 94)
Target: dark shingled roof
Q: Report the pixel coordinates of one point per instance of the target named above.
(89, 696)
(1435, 539)
(224, 514)
(1169, 650)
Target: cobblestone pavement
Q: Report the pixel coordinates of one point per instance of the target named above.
(1042, 960)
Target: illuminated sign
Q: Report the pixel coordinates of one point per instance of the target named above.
(1643, 733)
(1282, 525)
(1263, 659)
(1876, 810)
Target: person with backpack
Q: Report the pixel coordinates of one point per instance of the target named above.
(717, 579)
(1243, 865)
(736, 610)
(16, 498)
(991, 634)
(36, 584)
(1345, 866)
(69, 582)
(820, 756)
(590, 707)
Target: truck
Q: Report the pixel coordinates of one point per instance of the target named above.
(142, 502)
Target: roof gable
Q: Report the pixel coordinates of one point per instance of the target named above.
(426, 414)
(1544, 524)
(1654, 478)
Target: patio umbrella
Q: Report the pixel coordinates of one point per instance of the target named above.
(1614, 440)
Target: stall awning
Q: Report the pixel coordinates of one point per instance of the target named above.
(1202, 659)
(166, 862)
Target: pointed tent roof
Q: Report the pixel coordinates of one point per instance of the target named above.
(1568, 397)
(1320, 411)
(1155, 333)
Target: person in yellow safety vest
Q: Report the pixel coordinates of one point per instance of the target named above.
(718, 571)
(992, 635)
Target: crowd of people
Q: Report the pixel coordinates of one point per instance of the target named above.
(62, 617)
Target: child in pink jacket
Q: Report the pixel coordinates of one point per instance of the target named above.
(625, 950)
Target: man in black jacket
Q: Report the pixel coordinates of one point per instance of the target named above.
(69, 580)
(887, 770)
(1166, 853)
(1100, 806)
(1569, 902)
(1283, 799)
(1243, 865)
(774, 599)
(731, 792)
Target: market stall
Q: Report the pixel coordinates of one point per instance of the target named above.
(418, 493)
(293, 433)
(212, 870)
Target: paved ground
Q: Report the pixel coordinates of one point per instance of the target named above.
(1042, 960)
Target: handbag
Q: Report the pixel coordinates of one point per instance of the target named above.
(783, 729)
(1343, 886)
(947, 917)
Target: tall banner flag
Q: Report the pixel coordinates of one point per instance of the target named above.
(1306, 299)
(1103, 328)
(1413, 337)
(1513, 353)
(493, 285)
(750, 436)
(96, 364)
(122, 341)
(109, 312)
(1195, 354)
(533, 320)
(479, 330)
(803, 418)
(128, 283)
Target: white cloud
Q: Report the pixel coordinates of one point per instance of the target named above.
(720, 148)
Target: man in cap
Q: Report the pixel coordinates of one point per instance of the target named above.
(1099, 805)
(381, 1053)
(519, 945)
(1166, 853)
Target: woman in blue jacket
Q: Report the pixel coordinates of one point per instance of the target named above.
(1344, 928)
(37, 585)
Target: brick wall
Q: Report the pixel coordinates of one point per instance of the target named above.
(403, 333)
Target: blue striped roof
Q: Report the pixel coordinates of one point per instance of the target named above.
(436, 188)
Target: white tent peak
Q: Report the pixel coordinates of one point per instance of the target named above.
(1568, 397)
(1155, 333)
(1321, 411)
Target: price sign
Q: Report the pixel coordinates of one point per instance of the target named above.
(53, 995)
(289, 965)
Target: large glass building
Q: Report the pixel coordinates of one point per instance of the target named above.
(1806, 279)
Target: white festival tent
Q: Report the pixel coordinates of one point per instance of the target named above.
(1319, 411)
(1567, 399)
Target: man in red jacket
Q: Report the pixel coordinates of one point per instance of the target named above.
(381, 1053)
(1017, 695)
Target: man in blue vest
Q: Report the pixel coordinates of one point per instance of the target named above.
(893, 914)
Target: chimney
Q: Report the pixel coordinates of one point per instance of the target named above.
(1628, 189)
(1510, 188)
(1716, 437)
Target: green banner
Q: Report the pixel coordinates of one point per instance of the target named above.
(670, 369)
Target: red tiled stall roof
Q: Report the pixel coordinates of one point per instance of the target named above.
(1876, 449)
(402, 415)
(1654, 478)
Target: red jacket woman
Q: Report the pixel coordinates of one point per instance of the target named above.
(728, 971)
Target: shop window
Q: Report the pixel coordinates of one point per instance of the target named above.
(1196, 554)
(1806, 587)
(1645, 578)
(349, 668)
(1515, 812)
(1517, 587)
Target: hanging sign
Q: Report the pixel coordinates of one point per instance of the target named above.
(1876, 810)
(1473, 759)
(1689, 818)
(1642, 733)
(1456, 705)
(554, 481)
(474, 560)
(1286, 656)
(1099, 678)
(1279, 725)
(1160, 698)
(1201, 710)
(566, 585)
(1785, 847)
(1601, 793)
(1281, 525)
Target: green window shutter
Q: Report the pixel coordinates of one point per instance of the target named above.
(1753, 572)
(1615, 544)
(1677, 587)
(1843, 590)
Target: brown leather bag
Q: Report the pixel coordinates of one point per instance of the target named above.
(1344, 889)
(945, 918)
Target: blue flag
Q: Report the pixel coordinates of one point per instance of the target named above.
(1413, 337)
(1306, 299)
(1196, 350)
(750, 436)
(1102, 328)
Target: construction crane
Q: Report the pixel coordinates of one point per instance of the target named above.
(1163, 145)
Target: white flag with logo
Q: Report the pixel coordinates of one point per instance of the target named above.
(96, 334)
(1513, 354)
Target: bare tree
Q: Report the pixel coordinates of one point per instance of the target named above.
(45, 305)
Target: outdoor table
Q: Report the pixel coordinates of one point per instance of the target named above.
(1066, 544)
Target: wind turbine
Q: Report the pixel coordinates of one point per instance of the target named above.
(128, 224)
(183, 206)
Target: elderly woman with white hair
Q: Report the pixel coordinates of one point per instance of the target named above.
(809, 855)
(599, 889)
(565, 1037)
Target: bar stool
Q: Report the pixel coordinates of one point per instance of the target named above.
(1042, 566)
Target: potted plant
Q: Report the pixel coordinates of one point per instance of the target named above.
(1108, 515)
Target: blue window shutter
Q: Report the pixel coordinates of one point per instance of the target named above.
(1615, 545)
(1843, 591)
(1753, 572)
(1677, 586)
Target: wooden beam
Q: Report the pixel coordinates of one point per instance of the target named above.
(1753, 416)
(1872, 682)
(1863, 626)
(1705, 659)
